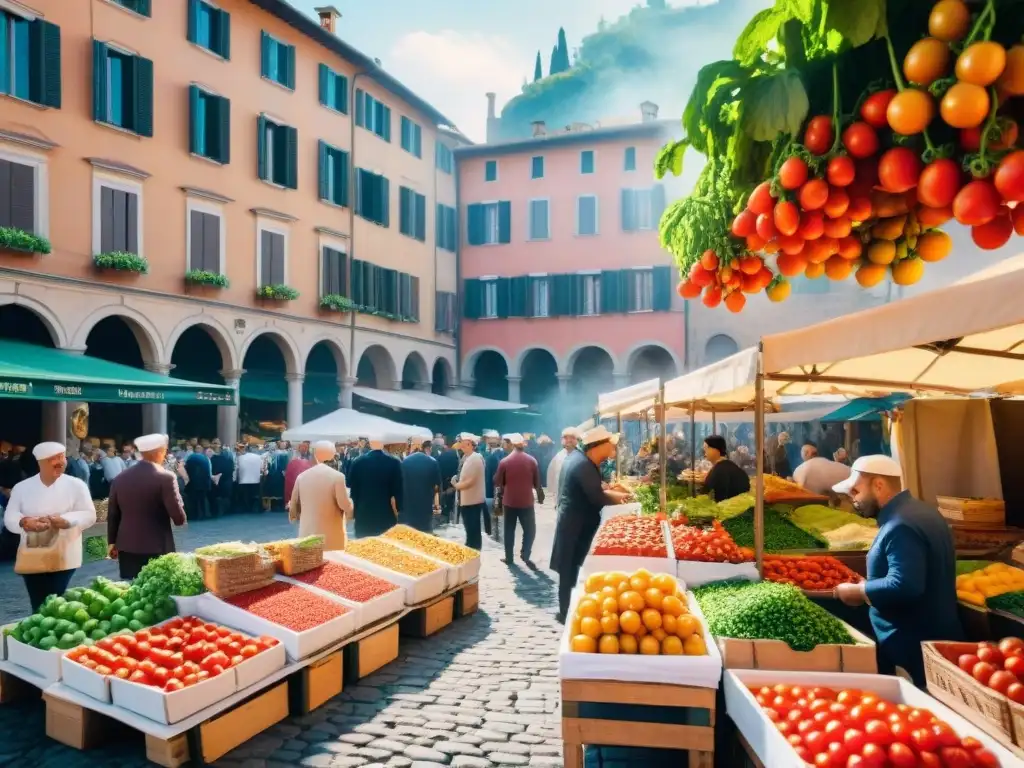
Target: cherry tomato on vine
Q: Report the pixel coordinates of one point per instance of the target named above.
(977, 203)
(812, 225)
(981, 63)
(792, 173)
(709, 260)
(899, 169)
(939, 182)
(761, 200)
(786, 217)
(872, 111)
(910, 111)
(819, 136)
(949, 20)
(712, 296)
(813, 194)
(1009, 177)
(1011, 81)
(994, 235)
(859, 209)
(688, 290)
(745, 223)
(926, 61)
(766, 226)
(840, 171)
(735, 301)
(860, 140)
(965, 105)
(837, 203)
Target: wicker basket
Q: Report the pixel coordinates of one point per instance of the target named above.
(972, 513)
(291, 560)
(101, 509)
(978, 703)
(229, 576)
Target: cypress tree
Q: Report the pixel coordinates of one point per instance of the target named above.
(553, 66)
(538, 71)
(563, 51)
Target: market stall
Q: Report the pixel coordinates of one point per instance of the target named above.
(345, 424)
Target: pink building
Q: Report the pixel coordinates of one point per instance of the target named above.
(566, 291)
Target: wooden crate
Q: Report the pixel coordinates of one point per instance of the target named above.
(170, 753)
(366, 656)
(14, 689)
(425, 621)
(777, 655)
(75, 725)
(619, 714)
(223, 733)
(467, 600)
(316, 684)
(972, 513)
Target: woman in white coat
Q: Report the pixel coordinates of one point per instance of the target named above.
(570, 438)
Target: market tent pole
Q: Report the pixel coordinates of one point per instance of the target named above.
(693, 449)
(759, 477)
(618, 451)
(714, 423)
(662, 447)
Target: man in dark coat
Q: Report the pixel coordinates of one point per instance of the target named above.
(581, 499)
(144, 501)
(448, 462)
(200, 482)
(421, 481)
(375, 482)
(222, 463)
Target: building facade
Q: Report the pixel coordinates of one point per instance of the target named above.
(566, 290)
(227, 168)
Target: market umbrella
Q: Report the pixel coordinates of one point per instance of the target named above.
(345, 424)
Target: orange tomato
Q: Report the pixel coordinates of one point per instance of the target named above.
(981, 63)
(910, 111)
(926, 61)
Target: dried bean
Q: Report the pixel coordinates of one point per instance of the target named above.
(289, 606)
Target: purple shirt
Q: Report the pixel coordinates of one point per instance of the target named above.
(518, 476)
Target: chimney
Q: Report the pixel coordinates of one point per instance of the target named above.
(329, 16)
(490, 105)
(492, 118)
(539, 128)
(648, 111)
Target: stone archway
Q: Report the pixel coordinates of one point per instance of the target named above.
(414, 372)
(270, 391)
(719, 347)
(22, 419)
(651, 361)
(490, 375)
(325, 368)
(198, 354)
(441, 377)
(376, 368)
(591, 371)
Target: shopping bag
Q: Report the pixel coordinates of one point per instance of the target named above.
(40, 553)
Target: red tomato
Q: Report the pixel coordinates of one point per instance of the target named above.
(766, 226)
(1009, 646)
(978, 202)
(860, 140)
(939, 183)
(872, 111)
(899, 169)
(955, 757)
(819, 135)
(901, 732)
(837, 203)
(1015, 692)
(792, 173)
(841, 171)
(761, 200)
(854, 740)
(834, 730)
(158, 641)
(175, 643)
(983, 758)
(786, 218)
(812, 226)
(816, 741)
(160, 675)
(967, 661)
(1009, 179)
(138, 676)
(813, 194)
(874, 755)
(902, 756)
(122, 673)
(250, 650)
(838, 753)
(924, 740)
(991, 655)
(878, 732)
(216, 669)
(744, 224)
(928, 760)
(945, 735)
(147, 667)
(919, 717)
(795, 740)
(142, 636)
(1001, 681)
(173, 685)
(823, 760)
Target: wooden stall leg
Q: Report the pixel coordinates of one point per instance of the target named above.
(573, 755)
(172, 753)
(366, 656)
(74, 725)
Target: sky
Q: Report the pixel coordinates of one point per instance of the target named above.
(452, 52)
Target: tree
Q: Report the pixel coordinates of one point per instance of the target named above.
(563, 51)
(658, 4)
(538, 71)
(553, 66)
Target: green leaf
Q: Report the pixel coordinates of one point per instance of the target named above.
(858, 22)
(803, 10)
(760, 30)
(710, 78)
(774, 104)
(670, 158)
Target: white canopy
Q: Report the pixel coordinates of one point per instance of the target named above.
(345, 424)
(428, 402)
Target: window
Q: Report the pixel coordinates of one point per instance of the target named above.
(412, 214)
(539, 220)
(333, 174)
(412, 137)
(277, 148)
(444, 159)
(30, 60)
(587, 161)
(272, 258)
(491, 170)
(22, 194)
(119, 218)
(277, 61)
(408, 297)
(333, 272)
(539, 291)
(642, 290)
(489, 296)
(445, 228)
(209, 125)
(444, 312)
(590, 294)
(373, 197)
(642, 208)
(629, 163)
(209, 27)
(122, 89)
(586, 215)
(205, 239)
(373, 115)
(333, 90)
(490, 223)
(141, 7)
(537, 167)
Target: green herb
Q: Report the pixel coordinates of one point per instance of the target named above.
(167, 576)
(337, 303)
(818, 518)
(95, 548)
(228, 549)
(970, 566)
(308, 542)
(765, 610)
(779, 534)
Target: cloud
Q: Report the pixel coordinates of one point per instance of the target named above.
(453, 70)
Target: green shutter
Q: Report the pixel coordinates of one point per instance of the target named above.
(418, 143)
(387, 123)
(223, 116)
(265, 43)
(505, 222)
(560, 300)
(452, 230)
(262, 169)
(99, 81)
(44, 69)
(661, 280)
(472, 299)
(475, 224)
(356, 281)
(504, 296)
(628, 210)
(291, 138)
(385, 192)
(290, 58)
(610, 292)
(224, 32)
(421, 218)
(193, 21)
(144, 8)
(324, 79)
(343, 173)
(519, 302)
(142, 73)
(194, 128)
(360, 119)
(439, 226)
(322, 160)
(404, 210)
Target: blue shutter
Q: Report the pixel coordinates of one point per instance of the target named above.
(661, 280)
(385, 190)
(472, 299)
(439, 226)
(475, 221)
(325, 74)
(194, 126)
(142, 74)
(404, 211)
(262, 170)
(193, 21)
(343, 172)
(610, 292)
(291, 140)
(504, 297)
(504, 221)
(322, 160)
(360, 117)
(356, 282)
(223, 117)
(224, 34)
(44, 70)
(421, 218)
(418, 146)
(99, 81)
(628, 210)
(143, 7)
(519, 295)
(452, 230)
(265, 53)
(290, 58)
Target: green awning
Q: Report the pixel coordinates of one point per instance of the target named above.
(31, 372)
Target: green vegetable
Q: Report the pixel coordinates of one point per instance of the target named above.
(90, 625)
(817, 518)
(135, 625)
(49, 642)
(81, 617)
(765, 610)
(95, 548)
(66, 641)
(117, 622)
(308, 542)
(168, 576)
(970, 566)
(48, 623)
(98, 634)
(1010, 602)
(779, 533)
(228, 549)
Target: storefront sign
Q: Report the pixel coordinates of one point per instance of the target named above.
(111, 393)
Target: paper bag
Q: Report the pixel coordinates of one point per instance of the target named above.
(40, 553)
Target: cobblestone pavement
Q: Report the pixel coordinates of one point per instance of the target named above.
(481, 693)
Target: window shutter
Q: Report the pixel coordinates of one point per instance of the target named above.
(453, 230)
(472, 299)
(386, 115)
(193, 119)
(322, 160)
(223, 30)
(418, 145)
(610, 292)
(265, 53)
(385, 191)
(357, 282)
(326, 271)
(421, 218)
(661, 281)
(99, 81)
(291, 138)
(504, 296)
(439, 226)
(657, 202)
(325, 75)
(18, 196)
(223, 116)
(211, 242)
(44, 72)
(342, 172)
(505, 222)
(131, 229)
(404, 211)
(475, 228)
(628, 210)
(519, 303)
(360, 118)
(414, 297)
(561, 292)
(261, 148)
(196, 240)
(142, 72)
(193, 21)
(289, 76)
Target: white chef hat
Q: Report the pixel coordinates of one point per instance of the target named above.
(148, 443)
(516, 439)
(571, 432)
(48, 450)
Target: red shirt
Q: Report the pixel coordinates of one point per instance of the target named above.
(295, 468)
(518, 475)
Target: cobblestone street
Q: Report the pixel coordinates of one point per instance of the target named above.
(482, 692)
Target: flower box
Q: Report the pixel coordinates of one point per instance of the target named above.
(121, 261)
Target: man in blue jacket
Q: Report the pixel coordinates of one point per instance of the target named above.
(375, 482)
(911, 581)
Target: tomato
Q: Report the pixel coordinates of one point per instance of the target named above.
(138, 676)
(819, 136)
(990, 653)
(735, 302)
(859, 209)
(792, 173)
(1012, 80)
(860, 140)
(812, 225)
(840, 171)
(744, 223)
(939, 182)
(965, 105)
(837, 203)
(761, 200)
(173, 685)
(926, 61)
(945, 735)
(928, 760)
(910, 111)
(813, 194)
(160, 675)
(955, 757)
(981, 63)
(786, 217)
(712, 296)
(949, 20)
(854, 740)
(791, 244)
(899, 169)
(984, 758)
(684, 288)
(874, 756)
(902, 756)
(901, 732)
(924, 740)
(822, 760)
(1010, 646)
(978, 202)
(872, 111)
(766, 226)
(1009, 181)
(838, 753)
(834, 730)
(878, 732)
(158, 641)
(967, 661)
(1000, 680)
(816, 741)
(990, 237)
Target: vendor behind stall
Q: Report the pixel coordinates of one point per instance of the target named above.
(726, 479)
(911, 580)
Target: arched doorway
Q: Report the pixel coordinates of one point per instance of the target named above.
(263, 390)
(592, 373)
(116, 340)
(376, 368)
(414, 372)
(441, 377)
(538, 387)
(196, 357)
(719, 347)
(22, 419)
(490, 375)
(325, 367)
(651, 362)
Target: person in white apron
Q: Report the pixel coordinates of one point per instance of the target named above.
(49, 511)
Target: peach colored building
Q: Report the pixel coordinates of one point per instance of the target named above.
(182, 156)
(565, 286)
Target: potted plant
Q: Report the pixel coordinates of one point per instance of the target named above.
(121, 261)
(335, 302)
(276, 293)
(19, 241)
(201, 282)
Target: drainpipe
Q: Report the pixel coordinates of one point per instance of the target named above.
(353, 363)
(686, 336)
(458, 275)
(437, 140)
